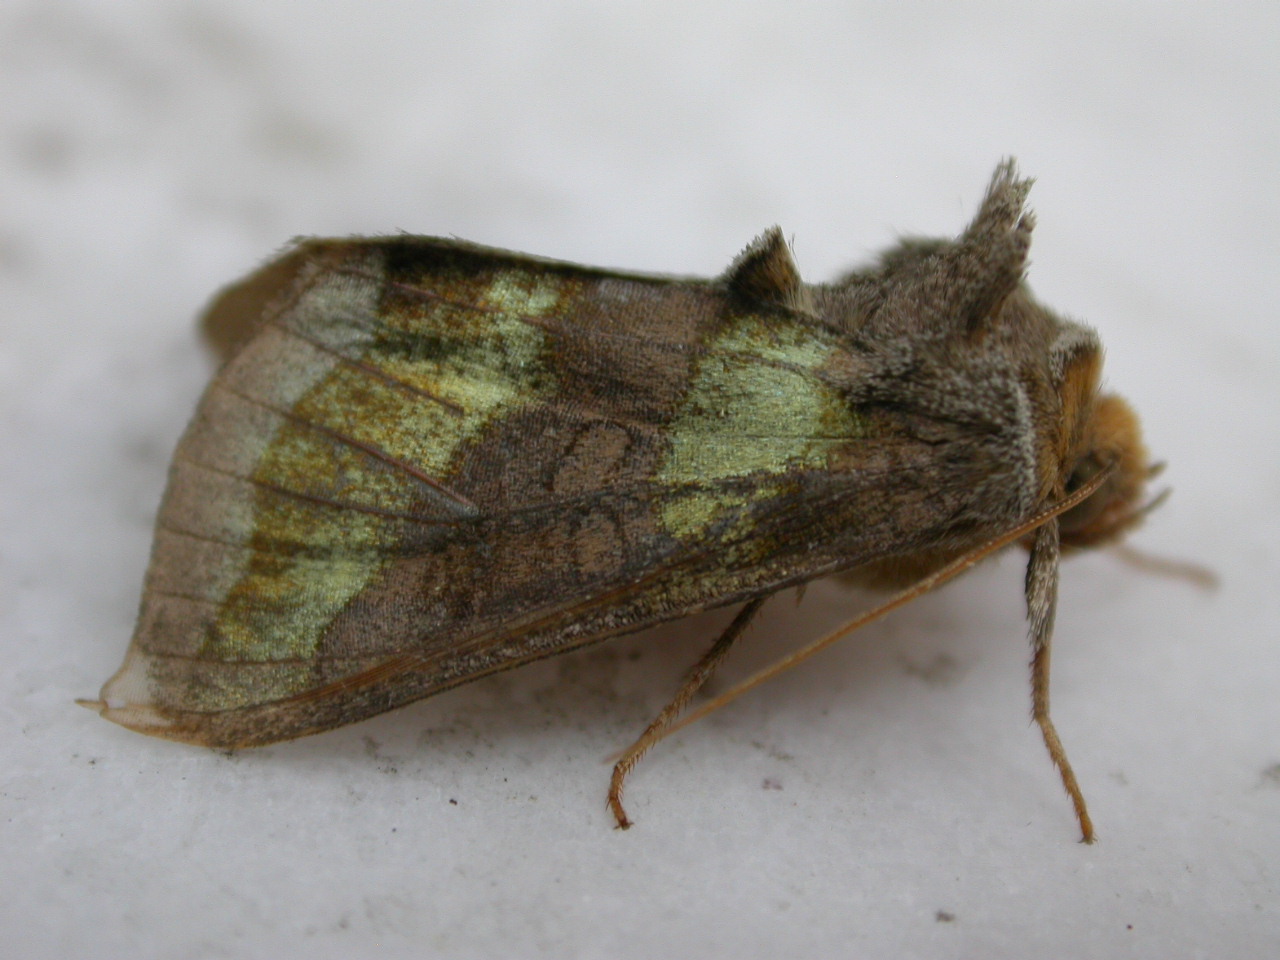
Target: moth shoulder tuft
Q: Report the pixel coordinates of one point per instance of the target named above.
(765, 272)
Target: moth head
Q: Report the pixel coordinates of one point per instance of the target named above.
(1100, 432)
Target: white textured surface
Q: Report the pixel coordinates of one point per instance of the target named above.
(150, 151)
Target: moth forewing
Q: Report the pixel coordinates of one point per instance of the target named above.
(425, 461)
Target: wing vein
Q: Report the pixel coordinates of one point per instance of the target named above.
(363, 367)
(316, 498)
(467, 507)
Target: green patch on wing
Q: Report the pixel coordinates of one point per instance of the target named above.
(378, 428)
(757, 405)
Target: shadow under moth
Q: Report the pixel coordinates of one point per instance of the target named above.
(424, 461)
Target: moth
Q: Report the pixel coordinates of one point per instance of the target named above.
(425, 461)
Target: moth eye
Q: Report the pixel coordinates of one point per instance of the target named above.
(1086, 468)
(1083, 515)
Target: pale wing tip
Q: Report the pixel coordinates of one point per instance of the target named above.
(136, 716)
(128, 698)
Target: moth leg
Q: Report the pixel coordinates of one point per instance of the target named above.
(1040, 711)
(699, 675)
(1042, 601)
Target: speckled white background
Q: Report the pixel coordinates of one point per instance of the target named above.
(151, 151)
